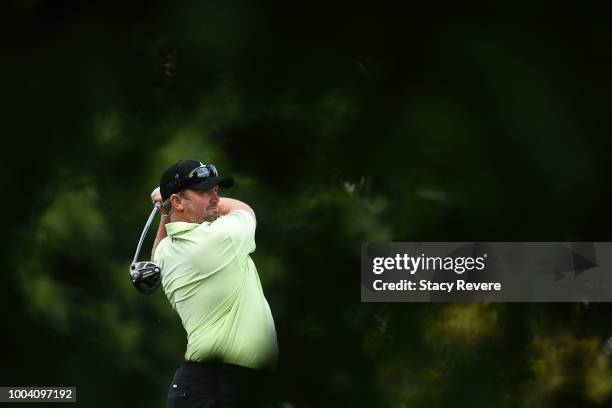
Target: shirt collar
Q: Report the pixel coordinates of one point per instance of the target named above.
(178, 227)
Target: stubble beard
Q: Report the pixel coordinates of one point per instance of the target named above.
(211, 218)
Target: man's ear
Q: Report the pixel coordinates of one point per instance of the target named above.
(177, 202)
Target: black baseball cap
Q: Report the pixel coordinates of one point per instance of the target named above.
(191, 174)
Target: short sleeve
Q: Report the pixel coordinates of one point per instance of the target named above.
(240, 226)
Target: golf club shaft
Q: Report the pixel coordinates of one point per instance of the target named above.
(146, 228)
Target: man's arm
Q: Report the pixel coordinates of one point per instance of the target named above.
(229, 205)
(161, 230)
(161, 233)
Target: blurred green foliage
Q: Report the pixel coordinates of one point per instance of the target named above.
(342, 124)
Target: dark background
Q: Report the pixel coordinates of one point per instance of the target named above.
(342, 123)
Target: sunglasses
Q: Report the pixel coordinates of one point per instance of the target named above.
(204, 171)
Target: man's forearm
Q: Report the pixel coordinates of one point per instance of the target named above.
(161, 233)
(228, 205)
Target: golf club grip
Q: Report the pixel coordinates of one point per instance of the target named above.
(146, 228)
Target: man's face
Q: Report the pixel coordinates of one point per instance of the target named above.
(201, 206)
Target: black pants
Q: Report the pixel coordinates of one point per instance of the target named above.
(214, 384)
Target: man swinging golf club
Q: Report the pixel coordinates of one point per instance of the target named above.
(202, 247)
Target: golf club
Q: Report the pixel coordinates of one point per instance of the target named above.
(146, 276)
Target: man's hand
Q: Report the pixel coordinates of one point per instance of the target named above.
(156, 196)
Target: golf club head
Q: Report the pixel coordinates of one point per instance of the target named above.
(146, 276)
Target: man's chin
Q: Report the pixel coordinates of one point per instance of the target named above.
(212, 214)
(211, 217)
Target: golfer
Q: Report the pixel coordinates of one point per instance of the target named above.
(202, 246)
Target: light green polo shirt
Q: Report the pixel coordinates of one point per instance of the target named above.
(212, 283)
